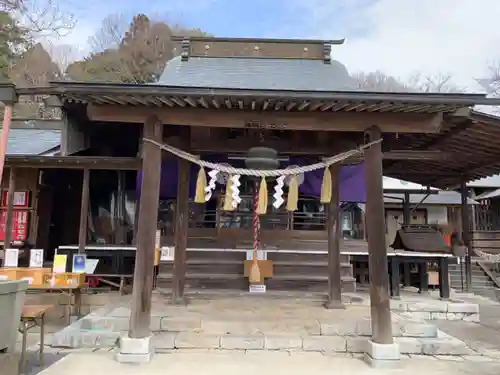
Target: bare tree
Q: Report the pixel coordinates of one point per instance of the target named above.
(417, 82)
(41, 17)
(62, 55)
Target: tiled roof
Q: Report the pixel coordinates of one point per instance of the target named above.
(32, 141)
(257, 73)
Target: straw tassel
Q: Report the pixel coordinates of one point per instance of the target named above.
(228, 197)
(293, 194)
(262, 201)
(201, 184)
(326, 186)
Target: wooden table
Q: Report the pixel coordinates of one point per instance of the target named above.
(32, 316)
(74, 309)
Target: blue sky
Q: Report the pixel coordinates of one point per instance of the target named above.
(397, 37)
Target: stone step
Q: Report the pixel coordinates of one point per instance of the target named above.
(239, 282)
(227, 266)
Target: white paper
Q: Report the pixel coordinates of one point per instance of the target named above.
(158, 239)
(167, 253)
(36, 258)
(11, 258)
(4, 278)
(28, 279)
(90, 266)
(257, 288)
(19, 198)
(261, 255)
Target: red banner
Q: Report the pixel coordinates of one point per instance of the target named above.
(19, 225)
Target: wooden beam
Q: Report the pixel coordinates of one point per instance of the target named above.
(75, 162)
(334, 275)
(376, 228)
(84, 211)
(323, 121)
(140, 317)
(181, 227)
(7, 237)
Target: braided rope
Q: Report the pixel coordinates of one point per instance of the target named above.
(255, 222)
(263, 173)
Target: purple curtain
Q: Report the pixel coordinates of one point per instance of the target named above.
(352, 185)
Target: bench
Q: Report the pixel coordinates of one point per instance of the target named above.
(32, 316)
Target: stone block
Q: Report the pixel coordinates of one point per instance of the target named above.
(471, 308)
(382, 355)
(420, 315)
(454, 316)
(427, 307)
(398, 305)
(179, 325)
(324, 344)
(164, 340)
(284, 342)
(453, 358)
(106, 339)
(248, 342)
(409, 345)
(67, 338)
(364, 327)
(134, 350)
(473, 318)
(339, 329)
(356, 344)
(438, 316)
(416, 329)
(477, 358)
(185, 340)
(444, 347)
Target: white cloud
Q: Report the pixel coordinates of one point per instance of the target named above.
(460, 37)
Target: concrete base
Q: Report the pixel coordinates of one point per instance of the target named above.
(381, 355)
(133, 350)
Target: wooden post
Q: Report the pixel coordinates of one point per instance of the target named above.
(334, 276)
(140, 317)
(406, 221)
(181, 226)
(7, 237)
(84, 212)
(377, 249)
(466, 234)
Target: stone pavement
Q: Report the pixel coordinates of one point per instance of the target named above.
(208, 362)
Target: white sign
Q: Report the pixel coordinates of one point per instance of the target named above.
(36, 258)
(261, 255)
(28, 279)
(257, 288)
(158, 239)
(19, 198)
(11, 258)
(91, 265)
(167, 254)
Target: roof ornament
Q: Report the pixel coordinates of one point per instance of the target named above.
(185, 48)
(327, 56)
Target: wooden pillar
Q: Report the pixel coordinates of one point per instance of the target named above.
(140, 317)
(181, 225)
(406, 221)
(466, 235)
(7, 239)
(377, 248)
(333, 222)
(84, 212)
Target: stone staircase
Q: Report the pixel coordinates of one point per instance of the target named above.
(481, 282)
(224, 270)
